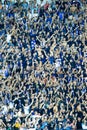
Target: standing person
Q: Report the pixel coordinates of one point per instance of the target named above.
(27, 108)
(79, 124)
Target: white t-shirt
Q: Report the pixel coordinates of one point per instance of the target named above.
(84, 127)
(8, 38)
(5, 109)
(11, 105)
(26, 109)
(23, 128)
(58, 63)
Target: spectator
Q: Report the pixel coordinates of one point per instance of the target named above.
(43, 71)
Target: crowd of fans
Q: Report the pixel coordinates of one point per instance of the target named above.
(43, 65)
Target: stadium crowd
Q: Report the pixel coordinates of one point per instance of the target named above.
(43, 65)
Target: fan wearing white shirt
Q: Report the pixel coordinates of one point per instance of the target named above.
(5, 109)
(84, 125)
(58, 63)
(27, 108)
(8, 38)
(11, 105)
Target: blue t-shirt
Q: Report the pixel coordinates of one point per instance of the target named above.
(6, 73)
(49, 19)
(33, 43)
(43, 60)
(61, 15)
(51, 59)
